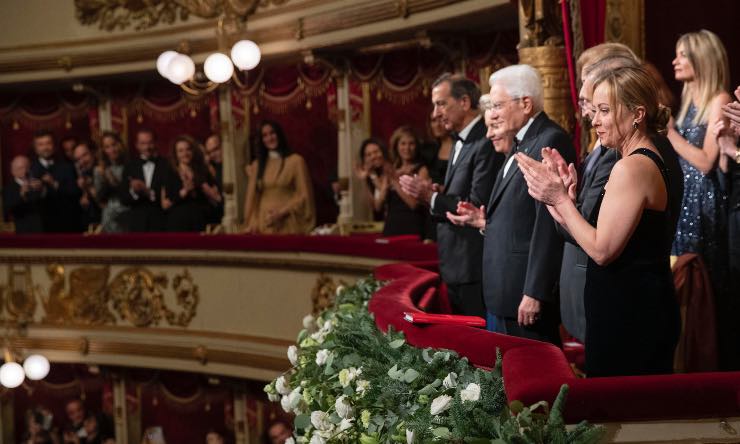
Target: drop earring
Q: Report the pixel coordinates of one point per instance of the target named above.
(634, 124)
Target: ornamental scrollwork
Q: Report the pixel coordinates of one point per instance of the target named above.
(121, 14)
(86, 296)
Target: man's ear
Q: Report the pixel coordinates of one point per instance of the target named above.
(527, 104)
(465, 102)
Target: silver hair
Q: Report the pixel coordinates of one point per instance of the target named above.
(521, 81)
(484, 103)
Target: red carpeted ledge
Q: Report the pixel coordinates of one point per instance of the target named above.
(361, 246)
(534, 371)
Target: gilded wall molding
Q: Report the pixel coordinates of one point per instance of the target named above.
(550, 62)
(322, 265)
(625, 23)
(86, 296)
(312, 24)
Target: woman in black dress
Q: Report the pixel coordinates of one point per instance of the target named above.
(632, 318)
(404, 215)
(375, 170)
(190, 189)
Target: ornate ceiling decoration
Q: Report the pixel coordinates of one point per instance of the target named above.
(143, 14)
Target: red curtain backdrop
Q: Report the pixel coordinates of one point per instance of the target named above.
(666, 20)
(593, 14)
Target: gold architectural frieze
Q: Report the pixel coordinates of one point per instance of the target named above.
(625, 23)
(88, 346)
(310, 25)
(201, 260)
(550, 62)
(86, 296)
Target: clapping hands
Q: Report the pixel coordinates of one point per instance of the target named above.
(468, 214)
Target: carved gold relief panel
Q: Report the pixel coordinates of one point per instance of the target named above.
(89, 296)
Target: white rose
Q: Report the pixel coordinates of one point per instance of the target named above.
(320, 420)
(345, 424)
(327, 327)
(273, 397)
(348, 375)
(282, 386)
(293, 355)
(317, 439)
(440, 404)
(340, 289)
(290, 440)
(344, 407)
(450, 381)
(285, 403)
(470, 393)
(321, 356)
(409, 436)
(362, 386)
(319, 336)
(309, 322)
(295, 398)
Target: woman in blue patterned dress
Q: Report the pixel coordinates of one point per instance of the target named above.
(701, 64)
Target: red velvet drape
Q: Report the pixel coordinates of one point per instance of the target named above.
(593, 15)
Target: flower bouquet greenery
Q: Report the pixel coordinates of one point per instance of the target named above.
(352, 383)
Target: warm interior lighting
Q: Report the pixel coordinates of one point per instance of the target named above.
(180, 69)
(36, 367)
(218, 68)
(245, 54)
(11, 374)
(163, 62)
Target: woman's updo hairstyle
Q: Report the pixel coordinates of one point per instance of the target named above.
(633, 87)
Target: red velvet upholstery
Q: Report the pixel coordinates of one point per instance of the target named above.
(534, 371)
(363, 246)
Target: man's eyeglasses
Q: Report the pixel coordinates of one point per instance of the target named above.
(586, 105)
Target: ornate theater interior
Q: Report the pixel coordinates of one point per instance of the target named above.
(178, 336)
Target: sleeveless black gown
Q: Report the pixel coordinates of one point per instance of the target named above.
(632, 317)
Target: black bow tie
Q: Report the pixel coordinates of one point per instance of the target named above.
(146, 160)
(457, 137)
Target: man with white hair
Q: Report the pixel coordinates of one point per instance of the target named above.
(522, 248)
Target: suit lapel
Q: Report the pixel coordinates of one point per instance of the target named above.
(473, 137)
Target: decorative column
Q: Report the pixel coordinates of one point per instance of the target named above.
(352, 206)
(541, 46)
(625, 23)
(228, 150)
(120, 413)
(241, 423)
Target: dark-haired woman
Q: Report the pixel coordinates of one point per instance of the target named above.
(279, 190)
(374, 169)
(190, 190)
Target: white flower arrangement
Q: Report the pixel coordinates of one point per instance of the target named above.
(440, 404)
(470, 393)
(343, 406)
(293, 355)
(322, 356)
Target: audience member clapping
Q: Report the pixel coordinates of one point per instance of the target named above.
(374, 169)
(22, 197)
(107, 179)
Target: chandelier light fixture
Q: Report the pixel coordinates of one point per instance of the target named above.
(12, 374)
(179, 68)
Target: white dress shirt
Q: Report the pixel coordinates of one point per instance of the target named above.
(520, 136)
(458, 148)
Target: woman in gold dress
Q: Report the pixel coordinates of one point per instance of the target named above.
(279, 191)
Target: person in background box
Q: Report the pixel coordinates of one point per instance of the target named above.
(214, 157)
(213, 437)
(68, 144)
(60, 206)
(277, 433)
(107, 179)
(22, 197)
(142, 184)
(84, 165)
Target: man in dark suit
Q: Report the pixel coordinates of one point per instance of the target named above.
(84, 165)
(594, 174)
(141, 185)
(523, 250)
(22, 197)
(60, 206)
(472, 167)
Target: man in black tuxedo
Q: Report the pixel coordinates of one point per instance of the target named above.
(142, 183)
(22, 197)
(84, 165)
(472, 167)
(60, 206)
(214, 156)
(523, 250)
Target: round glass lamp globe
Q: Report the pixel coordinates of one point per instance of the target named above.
(11, 375)
(163, 62)
(36, 367)
(245, 54)
(218, 68)
(180, 69)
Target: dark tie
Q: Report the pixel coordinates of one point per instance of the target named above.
(456, 137)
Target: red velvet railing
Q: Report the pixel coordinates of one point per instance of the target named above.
(534, 371)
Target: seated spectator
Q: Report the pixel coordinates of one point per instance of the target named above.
(84, 165)
(107, 179)
(374, 169)
(404, 214)
(190, 190)
(60, 204)
(279, 190)
(277, 433)
(22, 197)
(142, 184)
